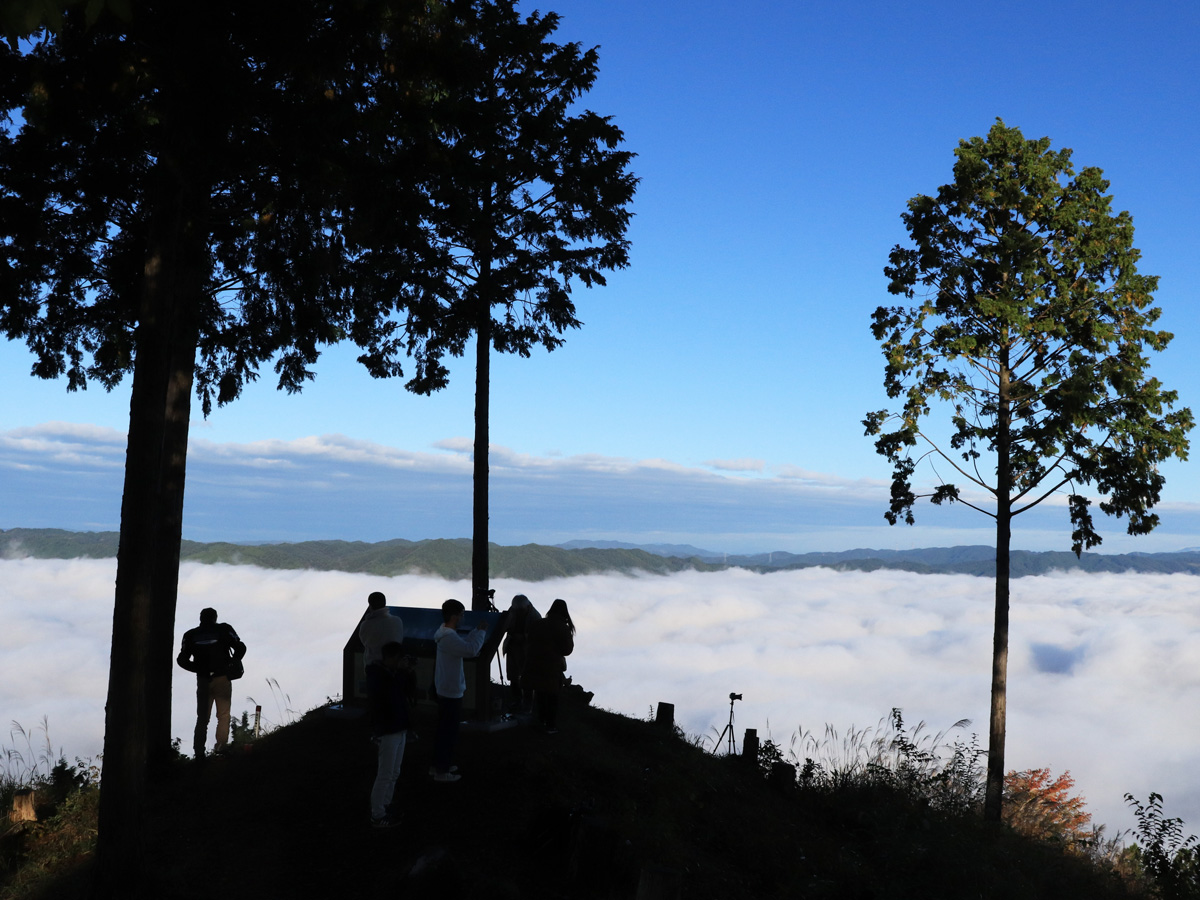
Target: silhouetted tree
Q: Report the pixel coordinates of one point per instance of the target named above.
(531, 197)
(186, 192)
(1030, 333)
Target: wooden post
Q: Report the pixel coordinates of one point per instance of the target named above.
(257, 722)
(750, 746)
(23, 806)
(665, 719)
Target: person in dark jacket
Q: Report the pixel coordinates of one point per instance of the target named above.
(513, 648)
(389, 683)
(212, 650)
(549, 641)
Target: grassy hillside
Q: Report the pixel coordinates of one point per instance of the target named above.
(606, 805)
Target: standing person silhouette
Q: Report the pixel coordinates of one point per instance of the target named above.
(550, 641)
(211, 650)
(450, 683)
(388, 685)
(378, 627)
(513, 648)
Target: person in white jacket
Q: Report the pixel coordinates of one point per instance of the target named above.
(378, 627)
(450, 683)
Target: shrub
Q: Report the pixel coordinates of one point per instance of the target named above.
(1039, 806)
(1169, 861)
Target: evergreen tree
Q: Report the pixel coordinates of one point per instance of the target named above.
(1030, 333)
(187, 192)
(530, 197)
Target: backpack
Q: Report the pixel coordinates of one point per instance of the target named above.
(234, 668)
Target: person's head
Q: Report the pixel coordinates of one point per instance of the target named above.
(520, 602)
(208, 616)
(452, 612)
(558, 610)
(392, 654)
(376, 600)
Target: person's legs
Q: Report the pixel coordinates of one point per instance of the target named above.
(203, 710)
(222, 693)
(550, 710)
(541, 706)
(449, 710)
(391, 755)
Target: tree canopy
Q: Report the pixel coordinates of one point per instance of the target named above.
(1029, 331)
(529, 197)
(188, 192)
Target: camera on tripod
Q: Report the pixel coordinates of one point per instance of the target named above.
(728, 730)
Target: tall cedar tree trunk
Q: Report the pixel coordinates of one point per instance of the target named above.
(994, 797)
(138, 708)
(121, 838)
(479, 531)
(172, 473)
(483, 388)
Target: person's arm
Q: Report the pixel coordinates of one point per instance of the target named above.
(456, 645)
(235, 643)
(477, 637)
(185, 656)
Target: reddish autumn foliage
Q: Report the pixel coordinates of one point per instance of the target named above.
(1037, 805)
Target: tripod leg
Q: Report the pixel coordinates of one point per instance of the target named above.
(720, 737)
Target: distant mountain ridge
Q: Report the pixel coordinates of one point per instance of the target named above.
(451, 559)
(684, 551)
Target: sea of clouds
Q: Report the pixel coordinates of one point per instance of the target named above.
(1104, 671)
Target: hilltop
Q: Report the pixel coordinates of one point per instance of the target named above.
(606, 805)
(451, 559)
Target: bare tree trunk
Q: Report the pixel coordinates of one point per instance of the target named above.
(479, 531)
(172, 474)
(994, 797)
(138, 708)
(120, 846)
(996, 731)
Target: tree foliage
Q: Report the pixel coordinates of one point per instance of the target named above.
(188, 192)
(529, 197)
(1029, 330)
(273, 159)
(1042, 806)
(1169, 861)
(1033, 329)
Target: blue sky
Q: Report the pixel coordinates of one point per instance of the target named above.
(717, 388)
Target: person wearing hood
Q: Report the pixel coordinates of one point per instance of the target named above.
(378, 627)
(450, 683)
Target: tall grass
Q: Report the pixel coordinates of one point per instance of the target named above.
(66, 806)
(946, 775)
(28, 763)
(285, 714)
(25, 763)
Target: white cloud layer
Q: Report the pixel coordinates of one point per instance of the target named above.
(70, 476)
(1104, 670)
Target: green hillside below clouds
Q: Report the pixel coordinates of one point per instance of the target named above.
(451, 559)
